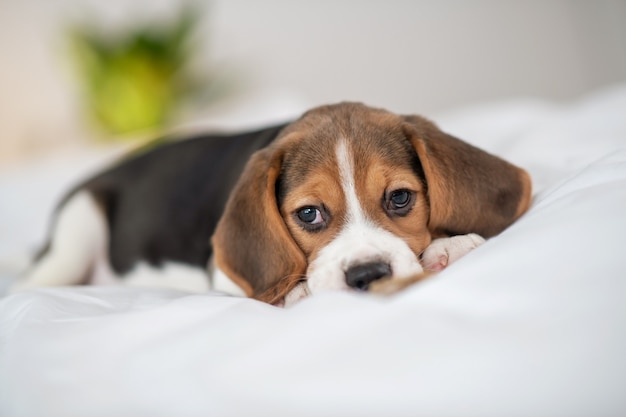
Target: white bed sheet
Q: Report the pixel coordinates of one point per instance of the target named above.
(531, 323)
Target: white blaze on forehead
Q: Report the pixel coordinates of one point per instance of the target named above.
(354, 212)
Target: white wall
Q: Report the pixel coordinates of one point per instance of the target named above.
(424, 55)
(408, 56)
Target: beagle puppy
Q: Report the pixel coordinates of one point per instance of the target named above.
(340, 198)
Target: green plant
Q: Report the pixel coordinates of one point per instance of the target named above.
(136, 80)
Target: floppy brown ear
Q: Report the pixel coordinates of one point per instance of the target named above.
(252, 244)
(469, 190)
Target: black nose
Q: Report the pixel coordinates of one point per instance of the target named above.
(362, 275)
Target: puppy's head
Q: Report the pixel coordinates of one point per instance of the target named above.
(349, 194)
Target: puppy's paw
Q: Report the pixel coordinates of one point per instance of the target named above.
(299, 292)
(442, 252)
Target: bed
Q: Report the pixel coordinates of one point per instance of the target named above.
(532, 323)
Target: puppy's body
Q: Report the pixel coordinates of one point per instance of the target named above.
(341, 197)
(163, 205)
(156, 210)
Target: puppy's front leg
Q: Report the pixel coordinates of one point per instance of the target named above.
(444, 251)
(299, 292)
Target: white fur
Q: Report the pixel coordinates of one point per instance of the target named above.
(221, 282)
(444, 251)
(359, 241)
(299, 292)
(181, 277)
(173, 275)
(79, 237)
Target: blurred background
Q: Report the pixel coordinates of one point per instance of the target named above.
(87, 71)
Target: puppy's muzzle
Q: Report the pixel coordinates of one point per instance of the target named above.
(362, 275)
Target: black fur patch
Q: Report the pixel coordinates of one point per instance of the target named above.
(164, 203)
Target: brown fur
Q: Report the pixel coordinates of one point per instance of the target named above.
(390, 286)
(460, 189)
(470, 190)
(252, 244)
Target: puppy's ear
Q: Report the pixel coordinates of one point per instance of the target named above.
(252, 244)
(469, 190)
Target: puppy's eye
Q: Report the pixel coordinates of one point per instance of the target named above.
(310, 215)
(311, 218)
(399, 202)
(400, 198)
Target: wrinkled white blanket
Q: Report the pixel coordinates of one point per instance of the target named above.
(533, 323)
